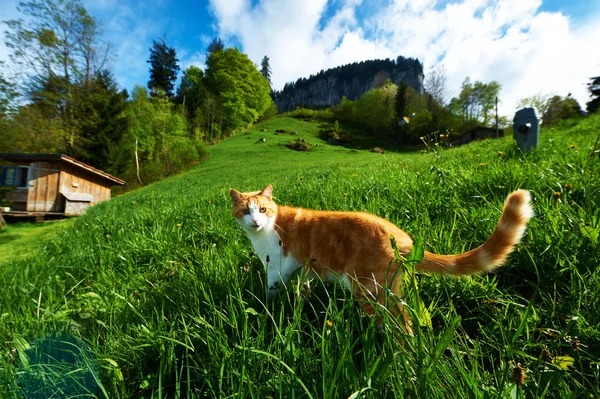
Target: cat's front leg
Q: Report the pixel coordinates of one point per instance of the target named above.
(279, 270)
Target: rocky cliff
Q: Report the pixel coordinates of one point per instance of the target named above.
(353, 80)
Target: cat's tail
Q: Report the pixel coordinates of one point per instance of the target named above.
(509, 230)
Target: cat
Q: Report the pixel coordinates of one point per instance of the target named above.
(355, 248)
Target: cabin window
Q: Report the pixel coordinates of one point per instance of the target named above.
(14, 176)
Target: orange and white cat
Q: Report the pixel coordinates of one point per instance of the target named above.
(355, 247)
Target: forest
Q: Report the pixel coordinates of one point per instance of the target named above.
(59, 95)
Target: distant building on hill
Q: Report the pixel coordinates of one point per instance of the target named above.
(52, 185)
(476, 133)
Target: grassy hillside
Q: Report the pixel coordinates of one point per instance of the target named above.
(23, 240)
(157, 294)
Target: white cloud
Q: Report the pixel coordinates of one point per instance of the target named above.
(526, 50)
(511, 41)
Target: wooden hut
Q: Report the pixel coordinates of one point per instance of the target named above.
(476, 133)
(53, 184)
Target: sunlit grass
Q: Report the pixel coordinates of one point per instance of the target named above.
(160, 290)
(23, 240)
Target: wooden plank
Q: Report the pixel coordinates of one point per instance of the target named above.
(47, 172)
(65, 181)
(32, 186)
(52, 193)
(17, 195)
(41, 189)
(86, 186)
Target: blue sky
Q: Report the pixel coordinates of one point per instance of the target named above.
(529, 46)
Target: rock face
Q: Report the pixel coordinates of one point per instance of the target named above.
(353, 80)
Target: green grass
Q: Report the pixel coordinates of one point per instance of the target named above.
(20, 241)
(156, 293)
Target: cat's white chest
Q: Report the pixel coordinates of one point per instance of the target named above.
(279, 267)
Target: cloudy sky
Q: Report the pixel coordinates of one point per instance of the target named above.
(529, 46)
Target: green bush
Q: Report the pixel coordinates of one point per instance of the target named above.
(306, 113)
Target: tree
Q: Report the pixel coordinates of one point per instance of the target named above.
(8, 95)
(538, 101)
(29, 131)
(215, 46)
(101, 109)
(435, 84)
(594, 88)
(375, 109)
(140, 113)
(57, 47)
(191, 92)
(163, 68)
(243, 92)
(475, 101)
(400, 101)
(559, 108)
(265, 69)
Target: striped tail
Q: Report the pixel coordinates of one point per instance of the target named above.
(509, 231)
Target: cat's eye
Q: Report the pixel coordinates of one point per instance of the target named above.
(263, 210)
(245, 211)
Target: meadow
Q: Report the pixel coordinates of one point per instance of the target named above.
(157, 293)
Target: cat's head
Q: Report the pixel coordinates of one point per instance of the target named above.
(255, 211)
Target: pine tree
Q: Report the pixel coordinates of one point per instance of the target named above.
(100, 107)
(400, 101)
(266, 69)
(214, 46)
(163, 68)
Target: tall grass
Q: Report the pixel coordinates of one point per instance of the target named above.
(157, 293)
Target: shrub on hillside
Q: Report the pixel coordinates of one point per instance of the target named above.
(300, 145)
(306, 113)
(344, 111)
(270, 112)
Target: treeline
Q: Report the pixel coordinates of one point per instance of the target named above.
(399, 111)
(61, 97)
(357, 70)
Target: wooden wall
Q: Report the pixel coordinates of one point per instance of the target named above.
(47, 179)
(43, 193)
(77, 180)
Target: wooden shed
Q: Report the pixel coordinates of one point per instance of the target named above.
(476, 133)
(53, 184)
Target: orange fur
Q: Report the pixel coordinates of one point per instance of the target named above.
(357, 244)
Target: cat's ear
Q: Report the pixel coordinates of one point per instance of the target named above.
(236, 196)
(267, 192)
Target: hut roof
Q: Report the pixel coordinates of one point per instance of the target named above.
(65, 158)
